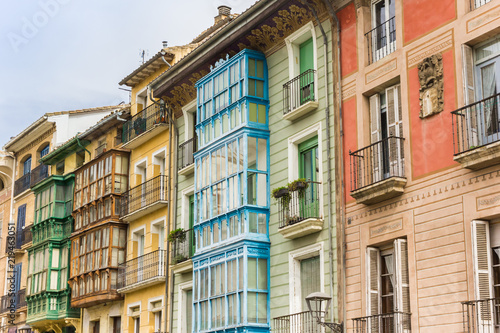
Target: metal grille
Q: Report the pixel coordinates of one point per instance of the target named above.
(186, 151)
(142, 268)
(143, 122)
(298, 91)
(22, 184)
(300, 204)
(141, 196)
(381, 40)
(182, 247)
(38, 174)
(302, 322)
(383, 323)
(481, 316)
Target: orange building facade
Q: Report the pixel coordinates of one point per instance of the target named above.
(420, 165)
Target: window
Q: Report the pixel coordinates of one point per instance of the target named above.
(45, 150)
(44, 274)
(383, 33)
(27, 166)
(117, 325)
(388, 286)
(94, 326)
(155, 308)
(134, 312)
(185, 310)
(21, 217)
(386, 128)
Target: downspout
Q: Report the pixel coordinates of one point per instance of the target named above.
(80, 145)
(339, 132)
(328, 153)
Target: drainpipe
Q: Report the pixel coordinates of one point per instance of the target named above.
(340, 190)
(172, 207)
(80, 145)
(328, 152)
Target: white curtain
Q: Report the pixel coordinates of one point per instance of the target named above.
(389, 263)
(489, 89)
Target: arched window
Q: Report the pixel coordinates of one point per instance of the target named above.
(2, 184)
(27, 166)
(45, 150)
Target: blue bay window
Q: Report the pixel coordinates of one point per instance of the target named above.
(231, 200)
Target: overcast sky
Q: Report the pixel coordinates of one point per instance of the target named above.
(58, 55)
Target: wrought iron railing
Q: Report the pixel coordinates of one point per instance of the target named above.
(476, 124)
(182, 246)
(299, 91)
(481, 316)
(300, 204)
(474, 4)
(38, 174)
(142, 268)
(22, 184)
(23, 237)
(381, 40)
(19, 299)
(101, 149)
(302, 322)
(185, 153)
(376, 162)
(144, 195)
(143, 122)
(397, 322)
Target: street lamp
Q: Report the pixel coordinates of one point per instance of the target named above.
(315, 303)
(24, 329)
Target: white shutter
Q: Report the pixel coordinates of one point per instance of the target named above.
(482, 270)
(394, 129)
(373, 286)
(376, 152)
(469, 98)
(402, 288)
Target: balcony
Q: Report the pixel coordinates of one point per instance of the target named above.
(185, 156)
(399, 322)
(377, 171)
(143, 126)
(18, 301)
(22, 184)
(141, 272)
(38, 174)
(299, 210)
(481, 315)
(23, 238)
(476, 133)
(144, 198)
(50, 307)
(99, 150)
(182, 251)
(475, 4)
(381, 40)
(299, 95)
(302, 322)
(51, 229)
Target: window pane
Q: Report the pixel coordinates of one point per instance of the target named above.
(252, 273)
(252, 107)
(262, 308)
(262, 274)
(252, 307)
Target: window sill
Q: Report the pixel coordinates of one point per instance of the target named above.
(481, 157)
(182, 267)
(301, 110)
(380, 191)
(303, 228)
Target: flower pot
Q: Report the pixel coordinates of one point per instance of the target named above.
(280, 193)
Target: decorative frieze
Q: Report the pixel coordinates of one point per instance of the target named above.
(430, 76)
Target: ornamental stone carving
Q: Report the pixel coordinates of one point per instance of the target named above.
(430, 75)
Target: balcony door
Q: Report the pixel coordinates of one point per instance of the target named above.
(21, 218)
(309, 170)
(306, 55)
(27, 166)
(384, 35)
(140, 257)
(488, 81)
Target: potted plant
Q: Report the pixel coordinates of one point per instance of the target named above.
(178, 258)
(280, 192)
(177, 235)
(297, 185)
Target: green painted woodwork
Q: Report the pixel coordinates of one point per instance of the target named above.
(192, 245)
(308, 152)
(306, 55)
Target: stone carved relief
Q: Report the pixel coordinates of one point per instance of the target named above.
(430, 75)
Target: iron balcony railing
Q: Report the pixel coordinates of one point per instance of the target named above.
(481, 316)
(300, 204)
(143, 122)
(376, 162)
(381, 40)
(183, 247)
(38, 174)
(19, 299)
(101, 149)
(302, 322)
(299, 91)
(396, 322)
(186, 151)
(474, 4)
(23, 237)
(476, 124)
(22, 184)
(142, 268)
(144, 195)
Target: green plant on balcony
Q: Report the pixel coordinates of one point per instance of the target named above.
(300, 185)
(178, 235)
(282, 194)
(178, 258)
(139, 125)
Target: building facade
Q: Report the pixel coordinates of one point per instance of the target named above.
(419, 138)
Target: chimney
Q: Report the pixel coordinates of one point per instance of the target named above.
(224, 12)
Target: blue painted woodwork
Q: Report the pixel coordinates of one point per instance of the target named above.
(231, 200)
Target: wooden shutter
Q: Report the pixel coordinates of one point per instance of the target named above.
(373, 286)
(402, 288)
(394, 129)
(376, 135)
(482, 269)
(469, 98)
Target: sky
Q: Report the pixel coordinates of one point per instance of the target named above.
(59, 55)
